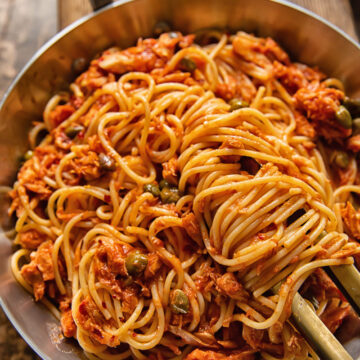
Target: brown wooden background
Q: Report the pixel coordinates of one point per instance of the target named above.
(26, 24)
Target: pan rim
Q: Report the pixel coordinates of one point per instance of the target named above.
(68, 29)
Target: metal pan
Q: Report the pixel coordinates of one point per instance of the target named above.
(305, 36)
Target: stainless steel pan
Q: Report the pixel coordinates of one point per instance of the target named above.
(308, 38)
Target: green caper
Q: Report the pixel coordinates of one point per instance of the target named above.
(356, 126)
(28, 155)
(341, 159)
(163, 184)
(187, 64)
(353, 105)
(152, 188)
(136, 263)
(128, 281)
(170, 195)
(322, 234)
(106, 162)
(236, 104)
(343, 117)
(161, 27)
(72, 131)
(180, 303)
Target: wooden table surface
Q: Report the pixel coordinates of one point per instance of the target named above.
(25, 25)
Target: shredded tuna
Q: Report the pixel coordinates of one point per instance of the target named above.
(232, 142)
(320, 105)
(170, 169)
(289, 76)
(86, 164)
(257, 340)
(346, 175)
(333, 317)
(32, 181)
(43, 259)
(244, 46)
(110, 262)
(40, 269)
(149, 54)
(303, 126)
(227, 284)
(153, 266)
(352, 220)
(31, 175)
(111, 271)
(198, 354)
(31, 239)
(60, 114)
(68, 326)
(93, 321)
(191, 227)
(32, 275)
(94, 78)
(129, 298)
(259, 51)
(321, 286)
(295, 76)
(237, 86)
(353, 143)
(113, 254)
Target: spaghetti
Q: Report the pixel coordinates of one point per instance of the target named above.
(177, 185)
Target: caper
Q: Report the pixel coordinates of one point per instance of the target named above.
(72, 131)
(163, 184)
(136, 263)
(341, 159)
(180, 303)
(28, 155)
(322, 234)
(187, 64)
(106, 162)
(353, 105)
(152, 188)
(356, 126)
(343, 117)
(236, 104)
(128, 281)
(170, 195)
(161, 27)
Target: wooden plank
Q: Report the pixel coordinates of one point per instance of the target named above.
(338, 12)
(24, 27)
(355, 4)
(71, 10)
